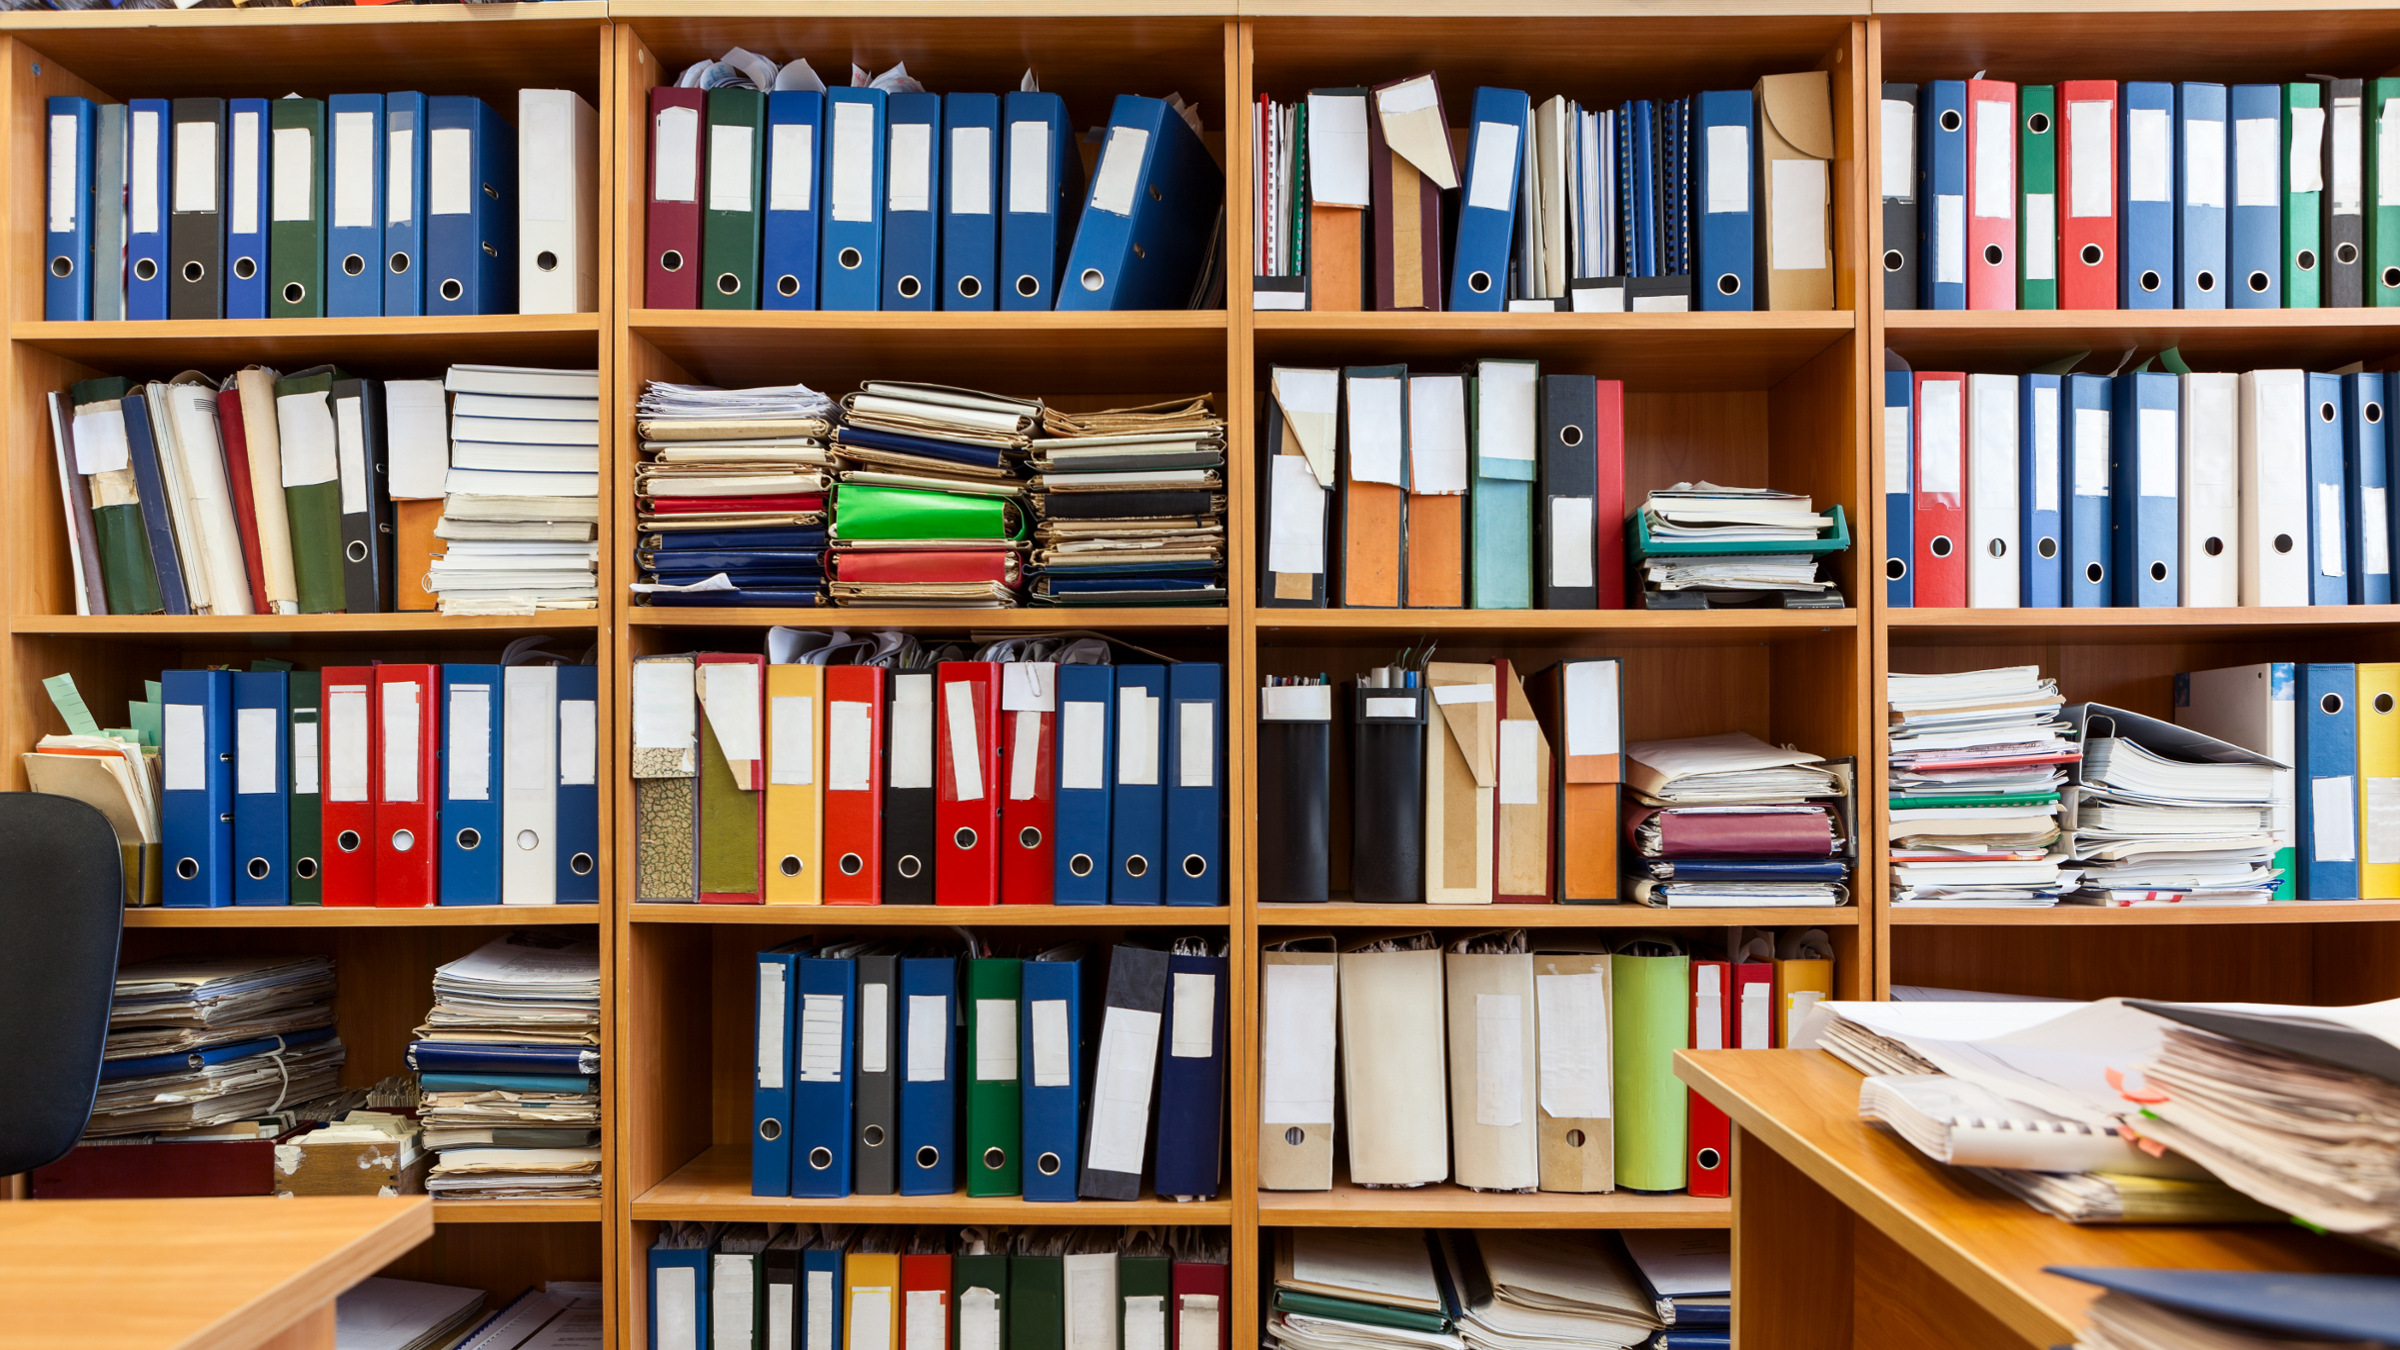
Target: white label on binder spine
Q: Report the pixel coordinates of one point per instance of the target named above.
(1571, 548)
(792, 748)
(545, 189)
(1895, 448)
(820, 1038)
(1375, 435)
(578, 742)
(870, 1322)
(1120, 174)
(294, 176)
(852, 192)
(779, 1317)
(970, 171)
(912, 731)
(1491, 181)
(728, 167)
(1196, 744)
(874, 1028)
(2091, 452)
(1295, 1079)
(1137, 738)
(849, 747)
(1896, 171)
(1296, 534)
(2155, 452)
(1708, 1006)
(978, 1319)
(1447, 694)
(304, 758)
(1082, 740)
(665, 717)
(2375, 542)
(62, 173)
(909, 174)
(1437, 435)
(995, 1040)
(1499, 1059)
(2383, 820)
(928, 1038)
(1797, 197)
(1756, 1016)
(1995, 160)
(1024, 756)
(820, 1310)
(1029, 167)
(2335, 802)
(1146, 1322)
(2329, 529)
(350, 445)
(1591, 707)
(2387, 154)
(1029, 686)
(354, 169)
(254, 749)
(2149, 155)
(1571, 1042)
(2204, 163)
(770, 1024)
(1196, 1321)
(2045, 449)
(1505, 409)
(1391, 707)
(791, 166)
(449, 172)
(1938, 450)
(2307, 167)
(2041, 236)
(2092, 128)
(100, 444)
(1728, 168)
(470, 757)
(729, 697)
(1121, 1089)
(1520, 754)
(2254, 148)
(676, 169)
(346, 720)
(141, 174)
(400, 186)
(1949, 246)
(1053, 1048)
(924, 1321)
(1194, 1034)
(403, 718)
(2346, 165)
(196, 166)
(1337, 150)
(1090, 1285)
(678, 1308)
(966, 747)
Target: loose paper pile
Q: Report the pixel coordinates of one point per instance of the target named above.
(523, 492)
(729, 499)
(211, 1040)
(1978, 762)
(1731, 821)
(1131, 505)
(514, 1113)
(2150, 829)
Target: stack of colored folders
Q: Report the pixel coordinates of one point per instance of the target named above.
(1131, 505)
(510, 1057)
(730, 496)
(195, 1043)
(1978, 759)
(523, 492)
(1730, 821)
(929, 511)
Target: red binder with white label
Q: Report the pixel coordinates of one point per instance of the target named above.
(1991, 194)
(2087, 195)
(407, 760)
(1711, 1133)
(673, 190)
(1941, 524)
(966, 783)
(347, 806)
(1028, 782)
(854, 701)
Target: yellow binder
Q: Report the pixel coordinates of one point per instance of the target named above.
(2379, 772)
(795, 773)
(870, 1300)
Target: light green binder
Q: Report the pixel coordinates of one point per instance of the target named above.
(2303, 232)
(1650, 1018)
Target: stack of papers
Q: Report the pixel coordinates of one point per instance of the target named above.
(2152, 829)
(1731, 821)
(113, 777)
(1688, 1273)
(1130, 505)
(521, 502)
(561, 1315)
(1548, 1291)
(509, 1063)
(729, 498)
(1744, 525)
(930, 511)
(199, 1042)
(1978, 761)
(2167, 1309)
(1359, 1289)
(385, 1314)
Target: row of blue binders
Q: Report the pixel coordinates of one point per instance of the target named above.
(2144, 488)
(879, 1065)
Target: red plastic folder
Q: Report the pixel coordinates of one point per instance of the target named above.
(1941, 445)
(1029, 778)
(1711, 1133)
(854, 702)
(1991, 194)
(2087, 185)
(676, 118)
(348, 777)
(408, 765)
(966, 783)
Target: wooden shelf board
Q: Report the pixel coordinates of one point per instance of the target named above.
(2095, 916)
(518, 1211)
(1546, 9)
(716, 1186)
(319, 916)
(387, 632)
(1344, 914)
(424, 345)
(1650, 352)
(1634, 627)
(1032, 620)
(2013, 341)
(943, 916)
(1044, 353)
(1926, 626)
(1447, 1206)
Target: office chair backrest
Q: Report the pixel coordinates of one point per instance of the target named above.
(62, 908)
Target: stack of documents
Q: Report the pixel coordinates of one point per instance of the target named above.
(523, 492)
(386, 1314)
(1533, 1291)
(1688, 1273)
(1130, 505)
(729, 499)
(930, 508)
(1360, 1289)
(1698, 537)
(2154, 1309)
(1730, 821)
(1978, 759)
(117, 778)
(2166, 815)
(561, 1315)
(509, 1063)
(205, 1041)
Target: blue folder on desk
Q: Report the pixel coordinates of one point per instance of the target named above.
(404, 204)
(2041, 528)
(1191, 1076)
(1942, 194)
(1899, 500)
(1087, 715)
(929, 1087)
(196, 799)
(970, 225)
(1487, 211)
(470, 246)
(2366, 449)
(771, 1121)
(67, 275)
(1138, 815)
(2087, 403)
(148, 122)
(912, 215)
(1154, 211)
(788, 235)
(578, 827)
(824, 1060)
(1721, 202)
(2254, 226)
(2145, 483)
(1194, 851)
(1045, 190)
(354, 187)
(851, 277)
(2325, 748)
(2328, 512)
(2200, 199)
(2146, 194)
(262, 798)
(1054, 1087)
(472, 841)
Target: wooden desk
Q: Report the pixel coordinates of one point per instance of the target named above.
(248, 1273)
(1844, 1236)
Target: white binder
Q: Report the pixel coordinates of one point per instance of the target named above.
(2272, 490)
(558, 148)
(2212, 527)
(1392, 1057)
(529, 786)
(1994, 572)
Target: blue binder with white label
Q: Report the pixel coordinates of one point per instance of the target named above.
(2146, 224)
(578, 827)
(771, 1072)
(824, 1064)
(788, 236)
(2041, 495)
(1942, 195)
(2328, 509)
(1487, 212)
(2254, 225)
(471, 208)
(2366, 452)
(2087, 404)
(1899, 502)
(147, 156)
(1191, 1077)
(2325, 744)
(1151, 217)
(1138, 815)
(970, 216)
(196, 797)
(404, 204)
(262, 794)
(1050, 1054)
(472, 762)
(1087, 701)
(929, 1081)
(679, 1291)
(248, 175)
(1195, 775)
(1724, 242)
(2201, 174)
(354, 186)
(1044, 196)
(912, 219)
(2146, 481)
(69, 206)
(851, 274)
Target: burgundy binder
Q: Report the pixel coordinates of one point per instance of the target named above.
(674, 234)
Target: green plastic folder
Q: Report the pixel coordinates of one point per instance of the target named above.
(2037, 214)
(1650, 1016)
(296, 240)
(729, 215)
(308, 882)
(2303, 231)
(994, 1097)
(1835, 539)
(2002, 799)
(2383, 198)
(128, 576)
(314, 510)
(872, 512)
(1037, 1301)
(1351, 1310)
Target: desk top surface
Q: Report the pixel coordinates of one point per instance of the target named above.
(219, 1274)
(1803, 1104)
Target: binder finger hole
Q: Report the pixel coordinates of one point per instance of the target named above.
(1136, 865)
(452, 289)
(1080, 864)
(1194, 865)
(398, 263)
(849, 258)
(1992, 255)
(2373, 412)
(2345, 254)
(1709, 1159)
(2047, 549)
(1894, 260)
(187, 868)
(820, 1158)
(770, 1130)
(2150, 281)
(964, 838)
(581, 864)
(1729, 284)
(1895, 569)
(2283, 543)
(909, 288)
(1998, 548)
(790, 866)
(243, 268)
(2326, 412)
(1940, 547)
(260, 869)
(2092, 254)
(969, 287)
(2259, 282)
(995, 1158)
(147, 269)
(2038, 124)
(2205, 280)
(62, 266)
(1570, 435)
(872, 1136)
(355, 550)
(851, 863)
(354, 266)
(403, 840)
(1950, 119)
(928, 1156)
(1029, 285)
(2383, 703)
(2305, 260)
(1092, 279)
(787, 285)
(2213, 547)
(196, 272)
(728, 284)
(669, 261)
(1295, 1136)
(909, 865)
(470, 839)
(346, 841)
(1479, 282)
(1575, 1139)
(305, 869)
(1029, 837)
(546, 260)
(1048, 1164)
(2332, 704)
(2158, 571)
(2094, 572)
(529, 840)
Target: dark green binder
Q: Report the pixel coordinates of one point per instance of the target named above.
(128, 576)
(296, 242)
(314, 510)
(1145, 1277)
(988, 1275)
(308, 881)
(1037, 1308)
(2037, 211)
(993, 1129)
(729, 199)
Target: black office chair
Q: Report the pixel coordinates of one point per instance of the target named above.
(62, 909)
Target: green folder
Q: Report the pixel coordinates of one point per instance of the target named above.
(729, 823)
(1351, 1310)
(296, 242)
(1145, 1277)
(314, 510)
(972, 1278)
(2037, 214)
(1650, 1018)
(2302, 230)
(2383, 199)
(1037, 1307)
(308, 882)
(737, 125)
(1500, 498)
(993, 987)
(128, 576)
